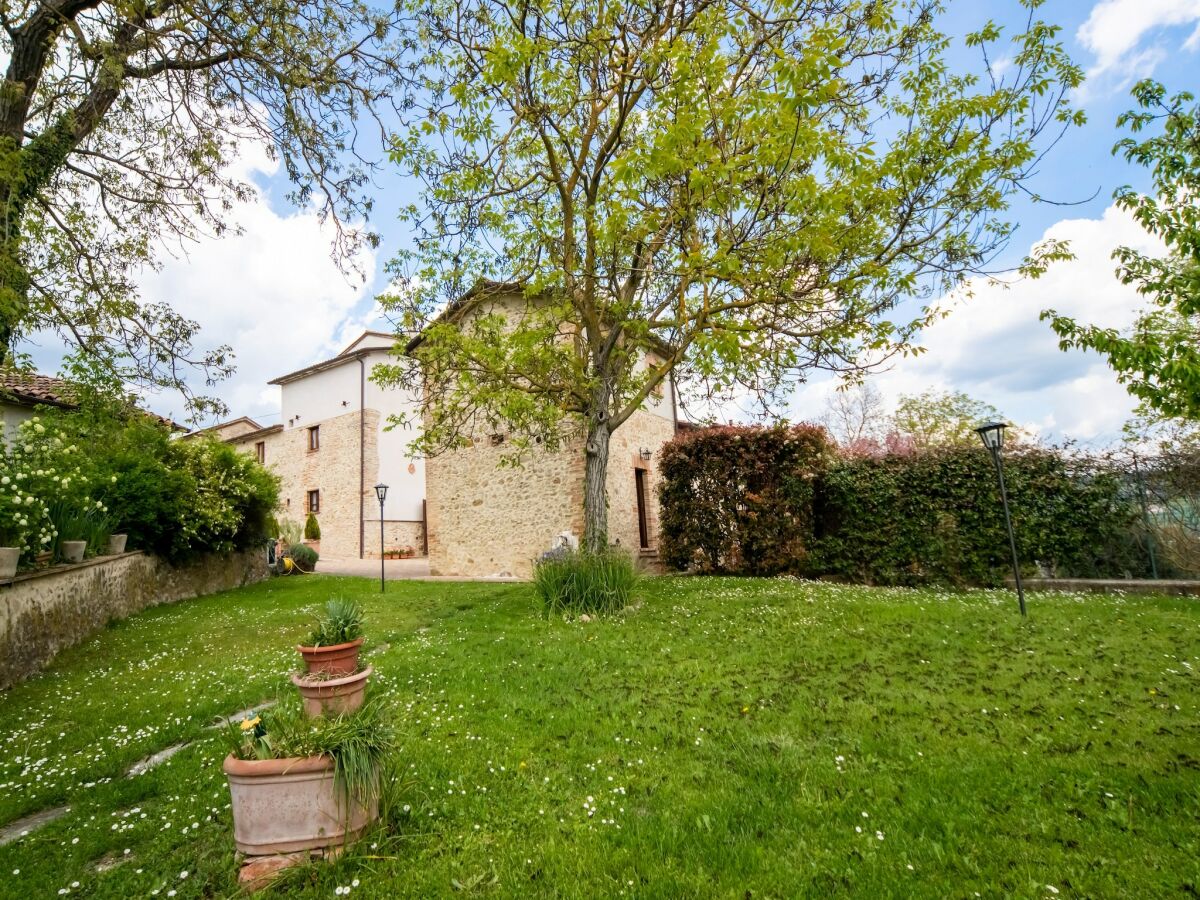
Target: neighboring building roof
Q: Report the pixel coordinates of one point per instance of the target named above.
(254, 435)
(33, 389)
(347, 355)
(367, 334)
(220, 426)
(483, 289)
(30, 389)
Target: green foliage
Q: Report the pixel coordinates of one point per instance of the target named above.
(312, 529)
(291, 532)
(175, 499)
(303, 556)
(941, 418)
(577, 582)
(121, 120)
(755, 501)
(342, 623)
(234, 497)
(616, 192)
(739, 500)
(1159, 359)
(358, 742)
(935, 516)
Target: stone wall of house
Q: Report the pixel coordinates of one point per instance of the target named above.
(42, 613)
(332, 469)
(641, 430)
(486, 519)
(396, 536)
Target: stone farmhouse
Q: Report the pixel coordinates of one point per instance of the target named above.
(471, 516)
(330, 448)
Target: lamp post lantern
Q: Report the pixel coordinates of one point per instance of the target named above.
(381, 492)
(992, 435)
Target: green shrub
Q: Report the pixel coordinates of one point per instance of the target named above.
(757, 501)
(312, 530)
(343, 622)
(571, 582)
(738, 500)
(303, 556)
(935, 517)
(234, 497)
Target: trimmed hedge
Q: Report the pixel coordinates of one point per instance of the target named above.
(739, 500)
(766, 501)
(936, 516)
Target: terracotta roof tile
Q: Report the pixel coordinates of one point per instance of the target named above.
(30, 387)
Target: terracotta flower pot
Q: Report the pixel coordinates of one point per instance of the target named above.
(332, 696)
(116, 544)
(72, 551)
(285, 805)
(336, 659)
(8, 562)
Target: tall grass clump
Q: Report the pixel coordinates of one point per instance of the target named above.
(577, 582)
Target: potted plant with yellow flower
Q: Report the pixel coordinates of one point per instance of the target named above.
(302, 783)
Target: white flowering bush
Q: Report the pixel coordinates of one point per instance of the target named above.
(44, 472)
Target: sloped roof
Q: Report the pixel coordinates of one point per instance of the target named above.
(31, 388)
(255, 426)
(347, 355)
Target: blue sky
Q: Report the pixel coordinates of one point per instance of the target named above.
(275, 296)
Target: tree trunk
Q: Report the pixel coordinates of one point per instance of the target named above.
(595, 481)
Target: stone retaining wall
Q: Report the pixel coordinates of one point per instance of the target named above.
(44, 612)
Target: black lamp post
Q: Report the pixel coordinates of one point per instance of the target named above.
(992, 435)
(381, 493)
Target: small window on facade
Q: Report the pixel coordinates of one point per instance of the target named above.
(314, 438)
(260, 451)
(497, 440)
(654, 362)
(314, 501)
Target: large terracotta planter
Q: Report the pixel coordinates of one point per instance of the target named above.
(334, 660)
(332, 696)
(116, 544)
(72, 551)
(285, 805)
(8, 562)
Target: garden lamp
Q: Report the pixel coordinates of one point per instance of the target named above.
(992, 435)
(381, 492)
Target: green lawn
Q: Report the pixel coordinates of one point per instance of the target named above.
(727, 738)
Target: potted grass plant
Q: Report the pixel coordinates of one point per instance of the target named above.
(333, 646)
(302, 783)
(72, 523)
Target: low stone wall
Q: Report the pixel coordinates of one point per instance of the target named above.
(44, 612)
(397, 534)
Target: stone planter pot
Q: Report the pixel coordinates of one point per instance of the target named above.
(332, 696)
(116, 544)
(8, 562)
(285, 805)
(72, 551)
(335, 660)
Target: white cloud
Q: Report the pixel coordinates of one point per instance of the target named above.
(273, 293)
(993, 346)
(1114, 31)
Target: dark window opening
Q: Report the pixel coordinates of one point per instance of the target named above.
(314, 438)
(260, 451)
(314, 501)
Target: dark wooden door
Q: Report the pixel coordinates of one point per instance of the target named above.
(643, 526)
